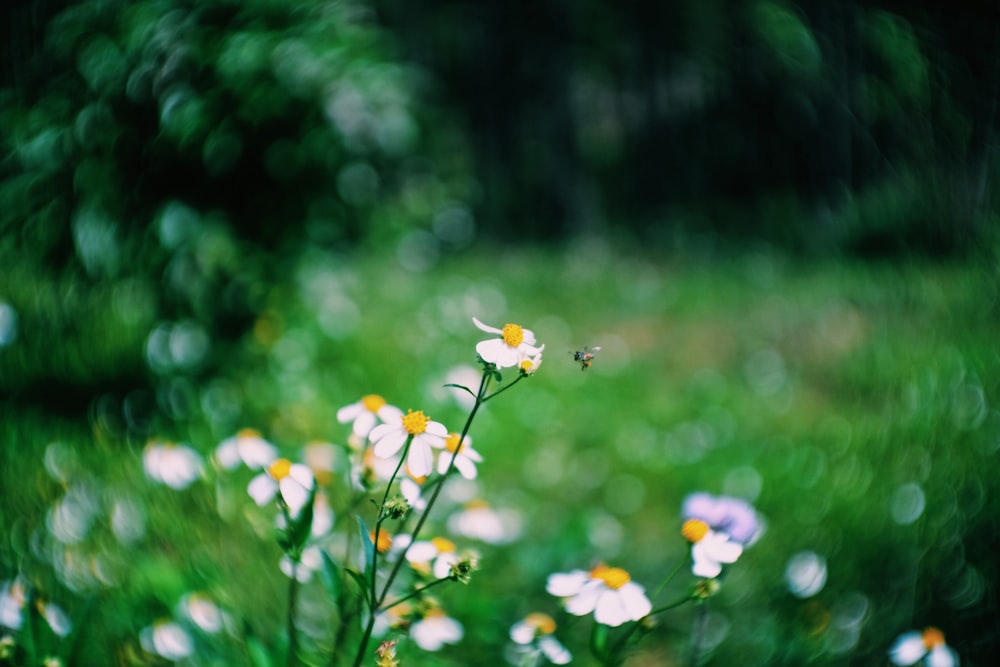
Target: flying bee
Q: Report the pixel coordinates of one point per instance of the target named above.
(586, 356)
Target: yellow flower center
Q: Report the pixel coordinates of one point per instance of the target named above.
(372, 402)
(415, 423)
(477, 504)
(247, 433)
(694, 530)
(384, 540)
(527, 365)
(453, 443)
(513, 334)
(613, 577)
(932, 637)
(543, 623)
(443, 545)
(280, 469)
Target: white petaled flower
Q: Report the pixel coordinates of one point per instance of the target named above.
(55, 617)
(709, 549)
(514, 345)
(465, 459)
(439, 550)
(323, 516)
(927, 646)
(481, 522)
(413, 494)
(435, 630)
(247, 447)
(293, 481)
(310, 561)
(608, 592)
(367, 412)
(167, 640)
(390, 437)
(201, 610)
(12, 600)
(172, 464)
(533, 635)
(530, 364)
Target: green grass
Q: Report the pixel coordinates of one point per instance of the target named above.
(819, 390)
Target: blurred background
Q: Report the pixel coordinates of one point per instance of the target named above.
(776, 219)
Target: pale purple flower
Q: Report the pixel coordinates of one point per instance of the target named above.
(724, 514)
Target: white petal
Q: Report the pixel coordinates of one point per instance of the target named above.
(565, 584)
(437, 429)
(442, 566)
(486, 327)
(465, 467)
(908, 649)
(610, 609)
(302, 474)
(522, 633)
(294, 494)
(228, 454)
(350, 412)
(586, 600)
(262, 489)
(390, 414)
(508, 357)
(704, 567)
(421, 552)
(420, 458)
(555, 651)
(389, 443)
(718, 547)
(942, 656)
(363, 424)
(633, 597)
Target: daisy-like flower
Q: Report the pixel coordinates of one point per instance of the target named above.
(481, 522)
(465, 460)
(435, 630)
(388, 438)
(709, 549)
(172, 464)
(167, 640)
(928, 647)
(440, 550)
(247, 447)
(608, 592)
(367, 412)
(533, 636)
(530, 364)
(514, 345)
(293, 481)
(733, 516)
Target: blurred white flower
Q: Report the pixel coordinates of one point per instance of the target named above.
(436, 555)
(12, 599)
(533, 636)
(709, 549)
(514, 345)
(435, 630)
(465, 460)
(247, 447)
(167, 640)
(55, 617)
(927, 646)
(388, 438)
(172, 464)
(412, 492)
(481, 522)
(531, 363)
(294, 482)
(366, 413)
(201, 610)
(608, 592)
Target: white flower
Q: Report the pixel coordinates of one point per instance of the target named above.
(608, 592)
(247, 447)
(480, 521)
(411, 491)
(390, 437)
(531, 363)
(709, 549)
(323, 516)
(465, 460)
(514, 345)
(439, 550)
(201, 610)
(171, 464)
(533, 636)
(294, 482)
(167, 640)
(12, 599)
(912, 647)
(311, 561)
(364, 414)
(435, 630)
(55, 617)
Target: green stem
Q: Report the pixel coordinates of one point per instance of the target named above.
(503, 388)
(293, 593)
(378, 523)
(415, 593)
(669, 578)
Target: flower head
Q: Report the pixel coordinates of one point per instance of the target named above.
(533, 636)
(167, 640)
(708, 548)
(435, 630)
(462, 452)
(927, 646)
(531, 363)
(367, 412)
(608, 592)
(172, 464)
(440, 551)
(732, 516)
(514, 345)
(293, 481)
(385, 654)
(388, 438)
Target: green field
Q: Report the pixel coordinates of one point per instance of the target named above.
(852, 403)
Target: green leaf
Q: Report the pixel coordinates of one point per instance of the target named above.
(599, 640)
(331, 576)
(367, 545)
(360, 581)
(258, 654)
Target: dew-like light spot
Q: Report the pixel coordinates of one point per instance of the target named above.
(908, 504)
(805, 574)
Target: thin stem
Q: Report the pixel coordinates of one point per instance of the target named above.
(378, 523)
(669, 578)
(293, 594)
(672, 605)
(697, 629)
(415, 593)
(504, 388)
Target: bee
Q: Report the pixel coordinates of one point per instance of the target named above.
(586, 356)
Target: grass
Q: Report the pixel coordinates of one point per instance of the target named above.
(852, 403)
